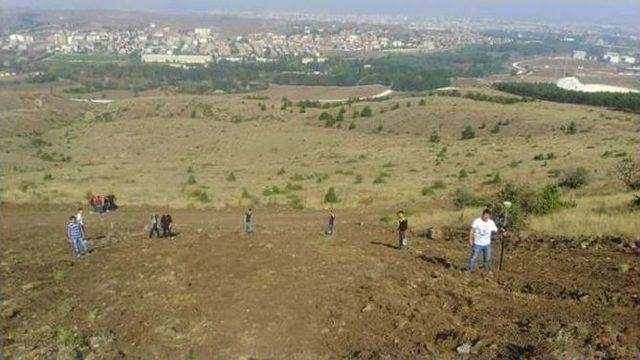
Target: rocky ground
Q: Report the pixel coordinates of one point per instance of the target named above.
(289, 292)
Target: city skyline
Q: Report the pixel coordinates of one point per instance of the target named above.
(567, 11)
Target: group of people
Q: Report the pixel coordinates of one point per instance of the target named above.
(103, 203)
(480, 232)
(165, 222)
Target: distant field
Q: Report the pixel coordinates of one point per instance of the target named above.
(589, 72)
(93, 58)
(296, 92)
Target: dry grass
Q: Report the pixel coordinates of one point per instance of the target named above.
(142, 154)
(593, 216)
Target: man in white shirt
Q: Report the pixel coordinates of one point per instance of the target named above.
(79, 218)
(480, 239)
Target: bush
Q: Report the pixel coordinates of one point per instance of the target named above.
(191, 180)
(47, 177)
(379, 180)
(463, 198)
(358, 179)
(352, 126)
(231, 177)
(628, 171)
(574, 179)
(426, 191)
(571, 128)
(270, 191)
(462, 174)
(292, 187)
(422, 102)
(366, 112)
(434, 138)
(325, 116)
(331, 197)
(282, 171)
(549, 200)
(468, 133)
(438, 184)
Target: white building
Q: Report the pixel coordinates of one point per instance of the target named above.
(612, 57)
(628, 60)
(202, 32)
(579, 55)
(176, 59)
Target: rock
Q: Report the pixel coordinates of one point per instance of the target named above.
(269, 246)
(367, 308)
(9, 313)
(464, 348)
(28, 286)
(67, 353)
(434, 234)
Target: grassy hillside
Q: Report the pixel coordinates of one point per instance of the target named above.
(232, 150)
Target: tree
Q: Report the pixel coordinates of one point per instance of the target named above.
(628, 171)
(366, 112)
(468, 133)
(331, 197)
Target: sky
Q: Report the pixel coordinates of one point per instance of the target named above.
(585, 11)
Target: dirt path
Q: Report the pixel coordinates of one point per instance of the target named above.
(289, 292)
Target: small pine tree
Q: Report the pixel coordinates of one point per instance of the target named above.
(366, 112)
(331, 197)
(468, 133)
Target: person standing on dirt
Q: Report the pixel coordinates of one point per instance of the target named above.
(480, 240)
(329, 229)
(75, 234)
(403, 229)
(248, 222)
(154, 225)
(165, 221)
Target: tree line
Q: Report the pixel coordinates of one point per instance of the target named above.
(551, 92)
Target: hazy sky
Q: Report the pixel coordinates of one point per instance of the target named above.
(553, 10)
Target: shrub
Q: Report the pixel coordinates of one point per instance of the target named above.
(358, 179)
(352, 126)
(574, 179)
(366, 112)
(379, 128)
(331, 197)
(190, 170)
(628, 171)
(549, 200)
(462, 174)
(295, 202)
(191, 180)
(330, 122)
(292, 187)
(495, 129)
(325, 116)
(468, 133)
(438, 184)
(463, 198)
(231, 177)
(282, 171)
(571, 128)
(200, 195)
(270, 191)
(379, 180)
(395, 106)
(47, 177)
(426, 191)
(422, 102)
(434, 138)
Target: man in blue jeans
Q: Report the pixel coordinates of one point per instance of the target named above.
(75, 234)
(480, 239)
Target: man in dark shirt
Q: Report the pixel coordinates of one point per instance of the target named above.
(164, 225)
(248, 222)
(403, 227)
(329, 229)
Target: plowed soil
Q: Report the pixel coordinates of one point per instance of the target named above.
(289, 292)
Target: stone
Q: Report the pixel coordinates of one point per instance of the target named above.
(367, 308)
(464, 348)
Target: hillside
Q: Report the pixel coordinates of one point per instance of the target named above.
(168, 150)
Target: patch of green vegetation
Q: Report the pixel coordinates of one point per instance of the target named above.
(331, 196)
(231, 177)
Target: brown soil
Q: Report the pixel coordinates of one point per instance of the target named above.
(289, 292)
